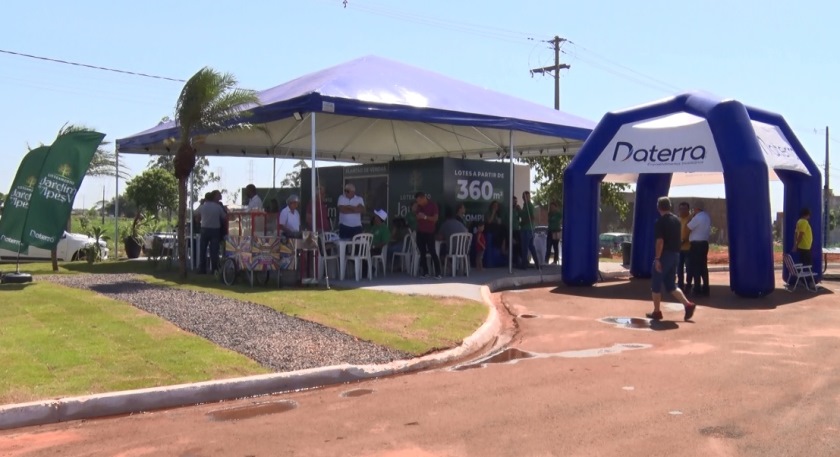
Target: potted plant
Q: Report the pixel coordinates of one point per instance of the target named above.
(133, 237)
(93, 251)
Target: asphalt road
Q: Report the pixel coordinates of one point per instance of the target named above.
(746, 378)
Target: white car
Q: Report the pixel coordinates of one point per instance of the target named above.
(70, 247)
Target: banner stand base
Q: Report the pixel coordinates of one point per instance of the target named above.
(15, 278)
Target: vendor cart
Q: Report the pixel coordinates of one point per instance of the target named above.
(253, 247)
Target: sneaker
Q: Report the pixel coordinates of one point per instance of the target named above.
(425, 276)
(656, 315)
(689, 311)
(437, 277)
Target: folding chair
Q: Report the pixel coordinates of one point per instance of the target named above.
(802, 273)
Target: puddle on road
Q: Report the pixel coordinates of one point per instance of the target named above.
(356, 393)
(250, 411)
(514, 355)
(635, 323)
(508, 355)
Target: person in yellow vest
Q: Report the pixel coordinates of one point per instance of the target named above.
(684, 266)
(803, 238)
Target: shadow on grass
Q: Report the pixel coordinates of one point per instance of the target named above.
(720, 296)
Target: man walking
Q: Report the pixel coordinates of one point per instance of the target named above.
(684, 266)
(803, 238)
(427, 217)
(700, 227)
(667, 234)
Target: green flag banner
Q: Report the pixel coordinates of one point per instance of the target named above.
(64, 168)
(17, 202)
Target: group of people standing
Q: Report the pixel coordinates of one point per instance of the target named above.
(693, 262)
(523, 219)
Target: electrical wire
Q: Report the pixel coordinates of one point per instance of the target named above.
(94, 67)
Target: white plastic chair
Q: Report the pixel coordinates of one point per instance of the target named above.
(326, 257)
(802, 273)
(360, 253)
(404, 255)
(381, 259)
(459, 253)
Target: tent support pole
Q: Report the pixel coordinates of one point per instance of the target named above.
(117, 205)
(510, 204)
(312, 184)
(192, 222)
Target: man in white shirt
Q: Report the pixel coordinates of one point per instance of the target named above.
(700, 227)
(289, 220)
(350, 210)
(254, 201)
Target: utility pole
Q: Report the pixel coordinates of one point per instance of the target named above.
(557, 41)
(826, 194)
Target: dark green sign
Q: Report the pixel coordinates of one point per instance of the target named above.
(476, 184)
(17, 202)
(64, 169)
(412, 176)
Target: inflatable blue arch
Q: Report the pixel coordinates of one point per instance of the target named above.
(693, 133)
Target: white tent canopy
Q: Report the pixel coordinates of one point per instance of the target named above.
(374, 110)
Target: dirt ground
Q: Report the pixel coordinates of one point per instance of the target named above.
(748, 377)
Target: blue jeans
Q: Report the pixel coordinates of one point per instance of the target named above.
(213, 238)
(667, 277)
(527, 244)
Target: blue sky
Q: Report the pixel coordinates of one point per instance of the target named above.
(776, 55)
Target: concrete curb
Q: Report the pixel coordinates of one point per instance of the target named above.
(133, 401)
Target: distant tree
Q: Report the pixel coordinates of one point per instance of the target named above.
(549, 175)
(292, 178)
(209, 102)
(127, 207)
(153, 191)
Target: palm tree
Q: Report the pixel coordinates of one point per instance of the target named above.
(209, 102)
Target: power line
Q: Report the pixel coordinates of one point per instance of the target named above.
(95, 67)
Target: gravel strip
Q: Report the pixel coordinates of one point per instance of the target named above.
(275, 340)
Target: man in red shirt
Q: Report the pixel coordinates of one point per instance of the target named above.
(427, 217)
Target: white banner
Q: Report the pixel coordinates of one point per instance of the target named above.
(778, 153)
(676, 143)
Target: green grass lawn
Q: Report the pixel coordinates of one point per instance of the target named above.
(61, 341)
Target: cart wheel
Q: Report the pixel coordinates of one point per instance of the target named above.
(262, 277)
(229, 272)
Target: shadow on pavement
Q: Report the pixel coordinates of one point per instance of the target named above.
(720, 295)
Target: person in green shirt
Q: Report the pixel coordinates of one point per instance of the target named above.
(380, 231)
(552, 241)
(526, 231)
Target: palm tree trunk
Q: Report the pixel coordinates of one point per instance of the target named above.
(182, 218)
